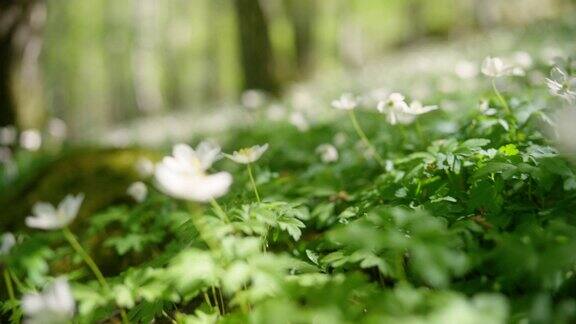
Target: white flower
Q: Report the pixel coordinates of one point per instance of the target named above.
(138, 191)
(328, 153)
(184, 176)
(298, 120)
(416, 108)
(466, 70)
(31, 139)
(144, 167)
(523, 59)
(248, 155)
(561, 84)
(54, 305)
(57, 128)
(346, 102)
(396, 109)
(8, 135)
(8, 241)
(253, 99)
(494, 67)
(48, 217)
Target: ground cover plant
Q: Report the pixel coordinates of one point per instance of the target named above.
(390, 211)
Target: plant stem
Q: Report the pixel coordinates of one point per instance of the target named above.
(216, 300)
(87, 259)
(91, 264)
(207, 299)
(222, 301)
(249, 167)
(507, 109)
(419, 132)
(502, 100)
(219, 209)
(400, 266)
(9, 286)
(364, 138)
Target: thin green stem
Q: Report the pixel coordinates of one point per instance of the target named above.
(506, 108)
(419, 132)
(400, 267)
(18, 283)
(222, 301)
(502, 100)
(213, 246)
(219, 209)
(220, 311)
(207, 299)
(9, 286)
(91, 264)
(364, 138)
(249, 167)
(87, 259)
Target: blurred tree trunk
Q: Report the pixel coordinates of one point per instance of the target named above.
(485, 14)
(301, 14)
(20, 22)
(212, 66)
(10, 17)
(416, 20)
(7, 103)
(256, 50)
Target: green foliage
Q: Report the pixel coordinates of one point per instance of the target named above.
(475, 226)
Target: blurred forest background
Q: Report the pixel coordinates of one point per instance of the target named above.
(99, 63)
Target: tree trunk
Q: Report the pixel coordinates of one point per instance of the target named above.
(9, 16)
(301, 14)
(256, 50)
(19, 23)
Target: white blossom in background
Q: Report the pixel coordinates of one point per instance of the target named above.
(523, 59)
(466, 69)
(8, 241)
(47, 217)
(328, 153)
(276, 112)
(298, 120)
(494, 67)
(248, 155)
(346, 102)
(57, 128)
(138, 191)
(54, 305)
(416, 108)
(566, 132)
(144, 167)
(8, 135)
(183, 175)
(30, 139)
(5, 155)
(561, 84)
(340, 138)
(253, 99)
(395, 109)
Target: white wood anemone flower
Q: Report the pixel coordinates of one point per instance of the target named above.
(55, 304)
(494, 67)
(416, 108)
(562, 85)
(7, 242)
(138, 191)
(183, 175)
(248, 155)
(47, 217)
(346, 102)
(395, 109)
(328, 153)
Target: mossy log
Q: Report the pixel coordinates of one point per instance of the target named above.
(103, 175)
